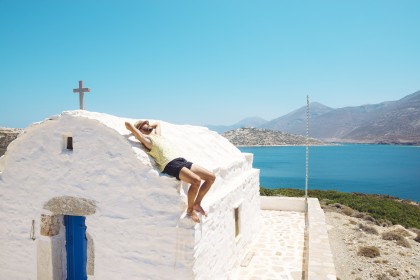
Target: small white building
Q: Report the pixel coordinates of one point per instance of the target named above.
(83, 174)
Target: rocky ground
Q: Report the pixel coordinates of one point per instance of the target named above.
(7, 135)
(362, 252)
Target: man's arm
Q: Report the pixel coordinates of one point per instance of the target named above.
(157, 127)
(144, 140)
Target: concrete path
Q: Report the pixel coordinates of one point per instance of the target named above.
(277, 252)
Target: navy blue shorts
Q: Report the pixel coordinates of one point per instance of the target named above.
(174, 167)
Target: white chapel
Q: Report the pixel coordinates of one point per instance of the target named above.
(79, 195)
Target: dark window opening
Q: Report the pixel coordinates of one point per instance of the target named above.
(69, 143)
(236, 222)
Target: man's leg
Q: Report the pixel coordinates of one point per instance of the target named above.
(194, 180)
(209, 179)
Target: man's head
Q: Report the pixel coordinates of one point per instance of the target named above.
(143, 126)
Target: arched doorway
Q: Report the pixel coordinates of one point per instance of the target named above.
(71, 254)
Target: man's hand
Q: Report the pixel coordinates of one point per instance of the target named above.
(129, 126)
(156, 127)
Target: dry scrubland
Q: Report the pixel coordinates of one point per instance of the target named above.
(365, 249)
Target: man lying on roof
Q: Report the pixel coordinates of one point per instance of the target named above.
(171, 163)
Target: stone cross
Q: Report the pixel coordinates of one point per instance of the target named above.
(81, 90)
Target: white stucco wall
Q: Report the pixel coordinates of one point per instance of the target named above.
(219, 252)
(138, 229)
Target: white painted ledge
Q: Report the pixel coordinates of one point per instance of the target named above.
(281, 203)
(321, 260)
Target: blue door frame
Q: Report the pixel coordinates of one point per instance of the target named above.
(76, 247)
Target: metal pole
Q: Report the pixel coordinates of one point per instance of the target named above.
(307, 146)
(305, 265)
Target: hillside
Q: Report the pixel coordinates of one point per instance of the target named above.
(247, 122)
(266, 137)
(395, 122)
(391, 122)
(295, 122)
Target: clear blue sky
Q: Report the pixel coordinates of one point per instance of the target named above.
(204, 62)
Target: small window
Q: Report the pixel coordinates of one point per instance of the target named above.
(237, 228)
(69, 143)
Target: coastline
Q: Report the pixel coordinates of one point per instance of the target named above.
(376, 195)
(327, 144)
(288, 145)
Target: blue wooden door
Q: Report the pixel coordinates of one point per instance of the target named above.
(76, 246)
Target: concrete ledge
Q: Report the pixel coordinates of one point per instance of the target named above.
(320, 257)
(281, 203)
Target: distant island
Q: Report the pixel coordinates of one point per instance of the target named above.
(265, 137)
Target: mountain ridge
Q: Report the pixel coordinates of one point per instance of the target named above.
(388, 122)
(247, 122)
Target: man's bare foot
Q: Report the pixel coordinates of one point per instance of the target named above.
(198, 208)
(193, 216)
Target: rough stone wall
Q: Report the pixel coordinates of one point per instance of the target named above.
(7, 135)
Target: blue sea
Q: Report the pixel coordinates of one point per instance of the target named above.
(376, 169)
